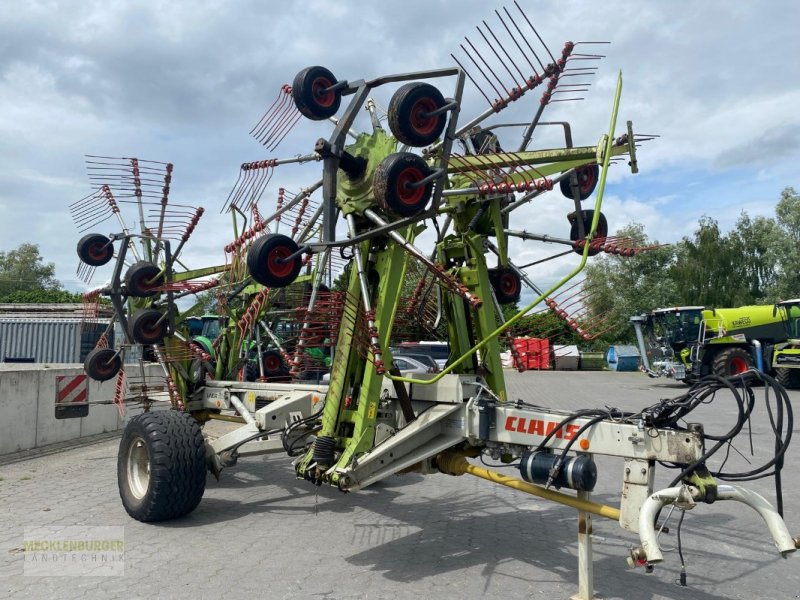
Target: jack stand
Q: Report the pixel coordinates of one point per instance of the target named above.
(585, 565)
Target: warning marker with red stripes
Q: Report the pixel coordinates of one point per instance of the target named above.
(72, 396)
(71, 389)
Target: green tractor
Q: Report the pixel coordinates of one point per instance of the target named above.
(690, 342)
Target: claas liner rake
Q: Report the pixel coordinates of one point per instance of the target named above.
(363, 223)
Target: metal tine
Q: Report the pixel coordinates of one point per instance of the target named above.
(486, 175)
(90, 219)
(491, 83)
(155, 162)
(264, 134)
(230, 195)
(91, 213)
(475, 83)
(522, 52)
(283, 118)
(258, 127)
(239, 188)
(541, 41)
(286, 131)
(488, 67)
(85, 273)
(524, 38)
(488, 43)
(460, 160)
(283, 128)
(259, 188)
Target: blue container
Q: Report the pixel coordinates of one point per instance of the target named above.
(623, 358)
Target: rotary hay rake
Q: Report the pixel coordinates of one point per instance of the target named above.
(280, 320)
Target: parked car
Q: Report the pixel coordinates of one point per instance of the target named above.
(411, 366)
(425, 359)
(405, 364)
(439, 351)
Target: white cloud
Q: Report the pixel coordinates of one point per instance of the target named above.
(184, 82)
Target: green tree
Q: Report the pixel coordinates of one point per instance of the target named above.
(787, 212)
(41, 296)
(706, 266)
(757, 245)
(22, 269)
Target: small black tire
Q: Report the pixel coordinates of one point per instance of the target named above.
(391, 180)
(408, 114)
(266, 260)
(95, 249)
(506, 283)
(309, 95)
(148, 327)
(274, 365)
(600, 235)
(161, 466)
(142, 279)
(731, 361)
(102, 364)
(788, 378)
(588, 176)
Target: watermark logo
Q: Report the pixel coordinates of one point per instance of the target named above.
(74, 551)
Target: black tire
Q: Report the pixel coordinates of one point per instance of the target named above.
(95, 250)
(142, 279)
(408, 118)
(588, 176)
(506, 283)
(391, 179)
(102, 364)
(731, 361)
(147, 327)
(788, 378)
(308, 95)
(274, 365)
(263, 260)
(600, 235)
(161, 466)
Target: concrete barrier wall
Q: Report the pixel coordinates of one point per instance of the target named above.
(27, 407)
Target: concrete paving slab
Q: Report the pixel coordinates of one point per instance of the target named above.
(260, 533)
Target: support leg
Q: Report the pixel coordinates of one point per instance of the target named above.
(585, 566)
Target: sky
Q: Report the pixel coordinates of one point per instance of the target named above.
(184, 82)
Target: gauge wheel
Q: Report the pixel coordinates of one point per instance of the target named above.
(274, 365)
(267, 260)
(310, 97)
(409, 114)
(102, 364)
(143, 279)
(148, 326)
(161, 466)
(392, 181)
(588, 176)
(599, 237)
(95, 249)
(506, 283)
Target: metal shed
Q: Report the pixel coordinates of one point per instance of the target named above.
(51, 333)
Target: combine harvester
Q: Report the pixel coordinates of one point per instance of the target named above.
(382, 190)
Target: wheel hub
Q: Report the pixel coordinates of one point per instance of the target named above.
(138, 463)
